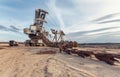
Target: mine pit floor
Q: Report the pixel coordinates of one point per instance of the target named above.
(24, 62)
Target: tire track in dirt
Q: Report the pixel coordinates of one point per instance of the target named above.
(61, 69)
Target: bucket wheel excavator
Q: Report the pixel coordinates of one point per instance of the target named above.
(37, 33)
(38, 37)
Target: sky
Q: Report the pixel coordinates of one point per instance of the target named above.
(84, 21)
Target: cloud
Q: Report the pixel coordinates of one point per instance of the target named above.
(93, 38)
(56, 13)
(105, 17)
(10, 28)
(3, 28)
(82, 33)
(110, 18)
(109, 21)
(103, 35)
(14, 27)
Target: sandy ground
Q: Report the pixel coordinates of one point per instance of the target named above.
(24, 62)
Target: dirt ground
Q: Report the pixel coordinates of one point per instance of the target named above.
(24, 62)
